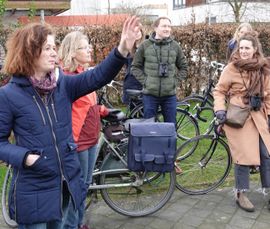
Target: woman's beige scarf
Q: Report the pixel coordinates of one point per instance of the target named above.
(257, 69)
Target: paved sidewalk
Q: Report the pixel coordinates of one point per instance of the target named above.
(216, 210)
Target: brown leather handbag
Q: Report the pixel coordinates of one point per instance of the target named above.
(236, 115)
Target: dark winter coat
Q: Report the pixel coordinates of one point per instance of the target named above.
(146, 65)
(45, 128)
(130, 82)
(232, 44)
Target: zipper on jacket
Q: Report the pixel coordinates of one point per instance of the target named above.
(40, 110)
(45, 103)
(54, 113)
(55, 142)
(59, 159)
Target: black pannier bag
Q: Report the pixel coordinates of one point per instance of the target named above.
(114, 132)
(152, 147)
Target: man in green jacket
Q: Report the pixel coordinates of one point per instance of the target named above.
(159, 64)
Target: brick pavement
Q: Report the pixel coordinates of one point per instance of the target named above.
(216, 210)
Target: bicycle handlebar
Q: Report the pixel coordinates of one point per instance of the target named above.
(217, 65)
(111, 84)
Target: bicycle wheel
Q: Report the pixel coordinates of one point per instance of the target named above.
(149, 192)
(206, 167)
(137, 112)
(203, 113)
(4, 200)
(186, 126)
(208, 102)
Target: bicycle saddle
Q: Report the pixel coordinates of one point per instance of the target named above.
(134, 92)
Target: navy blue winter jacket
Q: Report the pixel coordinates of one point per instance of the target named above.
(130, 82)
(36, 191)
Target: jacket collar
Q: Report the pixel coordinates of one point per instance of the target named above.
(21, 80)
(158, 41)
(24, 80)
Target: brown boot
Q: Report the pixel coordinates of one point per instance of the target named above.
(244, 203)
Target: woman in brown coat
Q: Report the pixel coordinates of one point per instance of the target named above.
(245, 77)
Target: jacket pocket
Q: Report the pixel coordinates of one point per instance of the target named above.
(41, 166)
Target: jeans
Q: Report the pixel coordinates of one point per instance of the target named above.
(87, 159)
(53, 224)
(241, 172)
(167, 104)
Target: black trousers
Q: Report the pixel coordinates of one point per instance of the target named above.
(241, 172)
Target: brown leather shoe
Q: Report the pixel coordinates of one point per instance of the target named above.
(244, 203)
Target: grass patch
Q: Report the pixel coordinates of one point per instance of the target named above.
(3, 169)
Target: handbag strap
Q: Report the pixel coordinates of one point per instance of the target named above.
(249, 91)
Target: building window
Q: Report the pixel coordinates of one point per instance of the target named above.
(213, 20)
(179, 4)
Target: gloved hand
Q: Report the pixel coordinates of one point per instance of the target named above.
(116, 113)
(113, 111)
(221, 116)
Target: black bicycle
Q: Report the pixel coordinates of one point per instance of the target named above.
(205, 162)
(201, 106)
(128, 193)
(186, 124)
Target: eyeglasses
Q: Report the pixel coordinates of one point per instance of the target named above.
(90, 47)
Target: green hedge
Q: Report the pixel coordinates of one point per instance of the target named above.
(209, 42)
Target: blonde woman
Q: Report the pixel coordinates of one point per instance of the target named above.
(74, 56)
(241, 30)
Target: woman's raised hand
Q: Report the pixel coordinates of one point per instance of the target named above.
(129, 33)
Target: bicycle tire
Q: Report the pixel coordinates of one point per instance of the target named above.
(137, 112)
(206, 112)
(209, 101)
(142, 199)
(186, 125)
(4, 200)
(196, 177)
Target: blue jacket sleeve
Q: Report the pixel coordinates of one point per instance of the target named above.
(10, 153)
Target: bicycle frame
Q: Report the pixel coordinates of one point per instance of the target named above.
(99, 171)
(102, 170)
